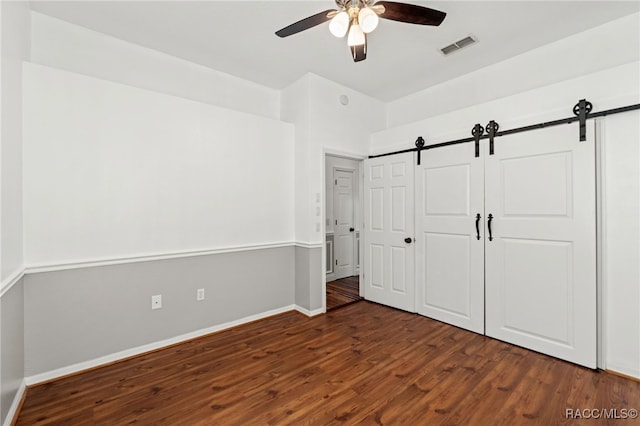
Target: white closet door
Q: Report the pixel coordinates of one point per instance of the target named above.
(388, 221)
(450, 256)
(540, 266)
(344, 235)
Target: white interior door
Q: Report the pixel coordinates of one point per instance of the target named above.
(388, 231)
(344, 230)
(450, 249)
(540, 265)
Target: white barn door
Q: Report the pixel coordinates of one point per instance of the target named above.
(388, 231)
(450, 249)
(540, 262)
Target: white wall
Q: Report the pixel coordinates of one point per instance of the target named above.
(323, 125)
(621, 241)
(14, 48)
(606, 89)
(337, 129)
(295, 110)
(70, 47)
(607, 46)
(114, 172)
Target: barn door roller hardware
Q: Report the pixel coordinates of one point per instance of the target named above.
(477, 132)
(582, 113)
(419, 146)
(582, 110)
(492, 129)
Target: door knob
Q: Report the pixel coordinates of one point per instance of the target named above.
(351, 229)
(408, 240)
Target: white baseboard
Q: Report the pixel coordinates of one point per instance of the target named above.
(107, 359)
(308, 312)
(13, 409)
(624, 370)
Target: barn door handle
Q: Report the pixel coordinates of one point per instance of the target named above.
(489, 226)
(478, 226)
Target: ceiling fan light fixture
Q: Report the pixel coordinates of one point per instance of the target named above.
(368, 19)
(357, 18)
(356, 35)
(339, 24)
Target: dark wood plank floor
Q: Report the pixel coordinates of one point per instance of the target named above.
(342, 292)
(361, 364)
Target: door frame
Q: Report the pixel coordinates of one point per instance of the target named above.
(327, 152)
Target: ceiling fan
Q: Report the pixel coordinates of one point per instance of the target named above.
(360, 17)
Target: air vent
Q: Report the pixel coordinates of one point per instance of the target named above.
(459, 45)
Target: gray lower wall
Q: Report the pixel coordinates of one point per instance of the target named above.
(78, 315)
(11, 345)
(308, 278)
(316, 269)
(302, 278)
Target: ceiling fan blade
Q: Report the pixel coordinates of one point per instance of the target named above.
(411, 13)
(306, 23)
(359, 53)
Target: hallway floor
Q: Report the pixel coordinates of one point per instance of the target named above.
(343, 292)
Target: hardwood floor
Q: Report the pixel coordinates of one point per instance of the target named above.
(362, 364)
(342, 292)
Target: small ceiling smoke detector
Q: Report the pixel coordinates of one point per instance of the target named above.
(453, 47)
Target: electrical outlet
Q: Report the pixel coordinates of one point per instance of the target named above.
(156, 301)
(200, 294)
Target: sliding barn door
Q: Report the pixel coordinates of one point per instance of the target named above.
(450, 249)
(540, 258)
(388, 231)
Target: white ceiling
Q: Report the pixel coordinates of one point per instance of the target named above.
(237, 37)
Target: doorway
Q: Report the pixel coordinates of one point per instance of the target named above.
(342, 230)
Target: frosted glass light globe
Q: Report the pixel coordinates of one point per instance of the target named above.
(339, 24)
(356, 36)
(368, 20)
